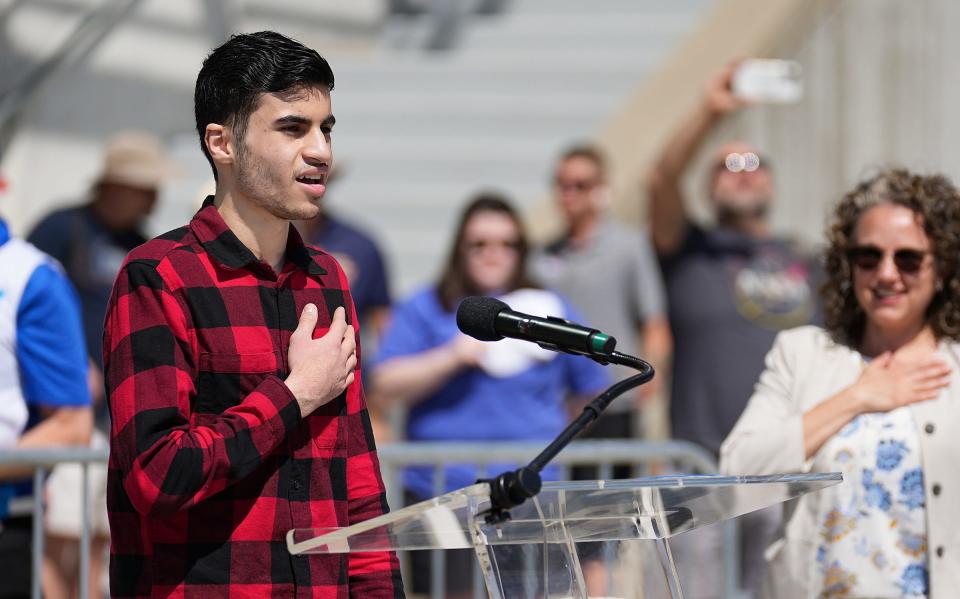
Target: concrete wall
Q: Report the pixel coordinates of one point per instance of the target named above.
(881, 88)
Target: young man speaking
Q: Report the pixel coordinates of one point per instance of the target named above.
(231, 362)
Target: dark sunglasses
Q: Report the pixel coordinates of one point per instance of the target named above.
(868, 257)
(481, 245)
(580, 186)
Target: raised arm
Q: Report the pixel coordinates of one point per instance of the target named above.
(668, 217)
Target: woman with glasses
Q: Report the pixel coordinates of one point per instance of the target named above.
(874, 395)
(461, 389)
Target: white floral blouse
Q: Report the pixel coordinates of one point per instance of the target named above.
(873, 533)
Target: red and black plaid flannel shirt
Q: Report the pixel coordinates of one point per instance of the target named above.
(211, 462)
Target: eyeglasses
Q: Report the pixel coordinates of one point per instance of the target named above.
(868, 257)
(480, 246)
(747, 162)
(581, 185)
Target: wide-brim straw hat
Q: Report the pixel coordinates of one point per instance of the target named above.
(138, 159)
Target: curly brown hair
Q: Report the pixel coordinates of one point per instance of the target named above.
(937, 202)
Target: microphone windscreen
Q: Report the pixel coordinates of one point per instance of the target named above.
(477, 317)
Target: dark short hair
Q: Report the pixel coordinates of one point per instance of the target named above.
(235, 75)
(587, 152)
(455, 284)
(935, 200)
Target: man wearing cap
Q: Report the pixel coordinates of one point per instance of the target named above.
(730, 288)
(91, 240)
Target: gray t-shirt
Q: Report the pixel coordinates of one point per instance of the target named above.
(729, 295)
(614, 282)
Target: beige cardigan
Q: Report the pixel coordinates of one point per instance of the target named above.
(804, 368)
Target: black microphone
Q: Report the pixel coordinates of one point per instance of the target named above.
(489, 319)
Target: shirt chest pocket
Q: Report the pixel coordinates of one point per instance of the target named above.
(323, 426)
(224, 379)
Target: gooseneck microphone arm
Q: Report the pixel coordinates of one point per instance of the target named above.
(510, 489)
(489, 319)
(593, 409)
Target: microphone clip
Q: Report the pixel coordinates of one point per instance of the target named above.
(599, 358)
(509, 490)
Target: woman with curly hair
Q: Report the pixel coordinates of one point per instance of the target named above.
(875, 395)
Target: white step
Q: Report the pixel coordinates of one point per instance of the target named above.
(612, 8)
(418, 133)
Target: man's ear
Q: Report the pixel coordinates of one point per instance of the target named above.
(219, 142)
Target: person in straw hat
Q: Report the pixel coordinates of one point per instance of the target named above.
(91, 240)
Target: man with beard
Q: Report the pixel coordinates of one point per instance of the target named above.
(730, 287)
(231, 361)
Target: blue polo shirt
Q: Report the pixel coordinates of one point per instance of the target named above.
(474, 406)
(49, 351)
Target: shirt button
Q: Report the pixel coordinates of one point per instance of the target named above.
(296, 485)
(929, 428)
(936, 488)
(940, 551)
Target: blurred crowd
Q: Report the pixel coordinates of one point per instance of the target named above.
(722, 310)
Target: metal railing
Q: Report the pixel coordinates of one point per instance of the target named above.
(644, 457)
(42, 461)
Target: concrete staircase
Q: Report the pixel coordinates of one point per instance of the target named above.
(418, 132)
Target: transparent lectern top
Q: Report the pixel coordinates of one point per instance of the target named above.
(642, 508)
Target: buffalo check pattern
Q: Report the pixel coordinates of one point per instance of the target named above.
(211, 462)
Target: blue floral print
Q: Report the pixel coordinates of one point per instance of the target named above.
(889, 454)
(873, 537)
(877, 496)
(911, 488)
(913, 582)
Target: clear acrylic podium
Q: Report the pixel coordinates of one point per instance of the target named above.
(535, 553)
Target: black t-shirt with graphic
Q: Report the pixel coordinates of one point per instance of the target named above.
(728, 295)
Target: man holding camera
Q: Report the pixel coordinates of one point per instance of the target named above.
(730, 286)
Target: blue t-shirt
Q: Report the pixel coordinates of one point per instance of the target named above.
(475, 406)
(49, 351)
